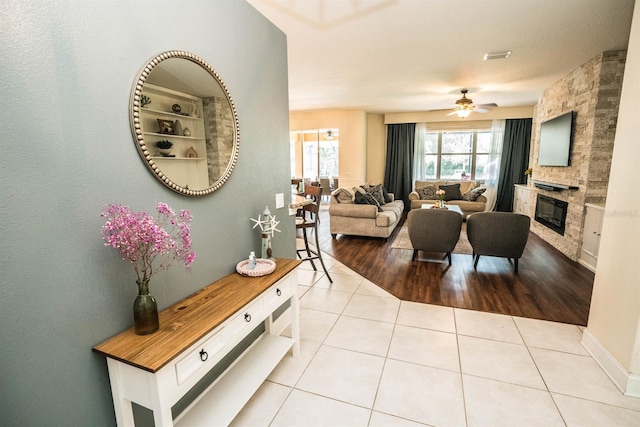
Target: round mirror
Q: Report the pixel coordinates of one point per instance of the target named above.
(184, 123)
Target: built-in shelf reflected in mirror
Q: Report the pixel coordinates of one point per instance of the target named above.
(184, 123)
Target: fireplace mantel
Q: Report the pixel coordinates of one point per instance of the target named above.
(550, 186)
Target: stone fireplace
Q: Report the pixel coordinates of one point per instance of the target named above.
(552, 213)
(592, 92)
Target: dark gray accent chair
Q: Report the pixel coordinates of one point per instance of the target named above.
(499, 234)
(435, 230)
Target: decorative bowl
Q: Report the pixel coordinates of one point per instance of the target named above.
(262, 268)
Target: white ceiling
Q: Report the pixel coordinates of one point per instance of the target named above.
(387, 56)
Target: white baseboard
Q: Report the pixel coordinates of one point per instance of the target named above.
(626, 382)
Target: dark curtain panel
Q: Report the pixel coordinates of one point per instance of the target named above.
(514, 161)
(397, 171)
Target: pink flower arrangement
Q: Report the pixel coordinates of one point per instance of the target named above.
(440, 194)
(139, 238)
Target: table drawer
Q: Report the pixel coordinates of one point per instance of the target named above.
(198, 358)
(279, 293)
(249, 316)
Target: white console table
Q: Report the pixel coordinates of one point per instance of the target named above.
(156, 370)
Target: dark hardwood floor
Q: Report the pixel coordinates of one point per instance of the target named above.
(548, 285)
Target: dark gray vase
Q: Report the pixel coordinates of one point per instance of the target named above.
(145, 310)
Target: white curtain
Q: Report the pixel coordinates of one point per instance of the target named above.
(419, 168)
(493, 166)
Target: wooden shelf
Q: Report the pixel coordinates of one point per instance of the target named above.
(177, 158)
(550, 186)
(168, 113)
(168, 135)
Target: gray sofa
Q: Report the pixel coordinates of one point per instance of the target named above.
(349, 218)
(467, 207)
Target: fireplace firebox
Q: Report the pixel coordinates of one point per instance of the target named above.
(551, 213)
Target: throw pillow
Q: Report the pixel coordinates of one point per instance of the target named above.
(451, 192)
(366, 199)
(427, 193)
(358, 190)
(343, 195)
(387, 197)
(472, 196)
(376, 192)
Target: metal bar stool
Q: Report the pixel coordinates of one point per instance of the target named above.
(303, 223)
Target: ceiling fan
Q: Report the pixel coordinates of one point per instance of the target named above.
(464, 106)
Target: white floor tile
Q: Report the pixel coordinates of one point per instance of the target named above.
(498, 361)
(425, 347)
(364, 336)
(263, 406)
(427, 316)
(579, 376)
(339, 268)
(551, 335)
(373, 308)
(315, 325)
(341, 282)
(422, 394)
(310, 410)
(325, 300)
(585, 413)
(421, 365)
(343, 375)
(290, 368)
(302, 290)
(495, 403)
(306, 277)
(369, 288)
(378, 419)
(491, 326)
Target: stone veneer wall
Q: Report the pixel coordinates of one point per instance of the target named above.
(219, 136)
(593, 92)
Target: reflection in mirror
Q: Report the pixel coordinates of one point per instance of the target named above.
(184, 123)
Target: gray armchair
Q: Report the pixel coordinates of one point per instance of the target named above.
(436, 230)
(500, 234)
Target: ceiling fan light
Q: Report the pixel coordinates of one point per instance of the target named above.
(463, 113)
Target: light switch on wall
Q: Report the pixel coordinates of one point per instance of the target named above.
(279, 200)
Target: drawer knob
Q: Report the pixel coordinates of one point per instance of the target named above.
(247, 317)
(278, 292)
(204, 355)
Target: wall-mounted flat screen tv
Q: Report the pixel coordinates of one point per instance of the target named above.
(555, 141)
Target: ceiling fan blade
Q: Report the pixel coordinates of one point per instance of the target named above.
(492, 105)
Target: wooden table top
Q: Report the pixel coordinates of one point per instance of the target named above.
(298, 201)
(190, 319)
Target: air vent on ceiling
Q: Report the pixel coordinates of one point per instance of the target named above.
(497, 55)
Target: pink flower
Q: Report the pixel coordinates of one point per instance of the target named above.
(440, 194)
(139, 238)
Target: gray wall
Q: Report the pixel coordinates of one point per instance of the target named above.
(66, 70)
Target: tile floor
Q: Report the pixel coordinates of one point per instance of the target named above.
(369, 359)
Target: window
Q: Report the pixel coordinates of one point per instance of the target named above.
(457, 154)
(319, 152)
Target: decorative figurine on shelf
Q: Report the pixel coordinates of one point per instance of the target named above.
(176, 108)
(268, 228)
(144, 101)
(194, 111)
